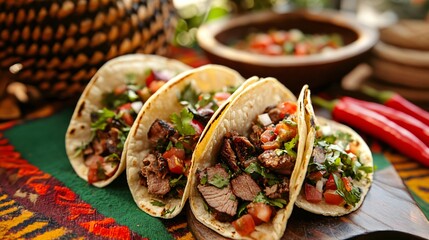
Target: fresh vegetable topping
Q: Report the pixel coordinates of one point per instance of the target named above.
(291, 42)
(333, 169)
(110, 125)
(250, 182)
(166, 168)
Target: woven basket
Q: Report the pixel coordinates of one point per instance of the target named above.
(58, 45)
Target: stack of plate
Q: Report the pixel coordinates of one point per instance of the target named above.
(401, 60)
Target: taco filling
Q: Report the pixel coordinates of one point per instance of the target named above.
(110, 126)
(165, 169)
(250, 180)
(334, 169)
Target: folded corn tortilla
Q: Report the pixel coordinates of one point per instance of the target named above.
(108, 77)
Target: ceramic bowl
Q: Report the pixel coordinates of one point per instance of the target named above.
(317, 70)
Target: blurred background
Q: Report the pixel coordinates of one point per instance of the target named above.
(49, 50)
(377, 13)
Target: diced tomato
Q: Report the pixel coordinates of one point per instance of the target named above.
(316, 176)
(260, 211)
(150, 78)
(330, 184)
(285, 132)
(175, 165)
(93, 163)
(198, 126)
(301, 49)
(125, 107)
(331, 197)
(244, 225)
(271, 145)
(260, 41)
(287, 108)
(353, 148)
(128, 118)
(180, 153)
(268, 135)
(155, 85)
(347, 184)
(92, 175)
(221, 96)
(279, 37)
(311, 194)
(119, 90)
(273, 50)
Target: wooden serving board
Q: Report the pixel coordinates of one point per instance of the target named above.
(387, 212)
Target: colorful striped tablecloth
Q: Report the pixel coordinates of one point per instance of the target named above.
(41, 197)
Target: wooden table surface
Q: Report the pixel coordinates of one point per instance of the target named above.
(388, 212)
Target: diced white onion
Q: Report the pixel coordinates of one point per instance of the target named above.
(136, 106)
(264, 119)
(319, 186)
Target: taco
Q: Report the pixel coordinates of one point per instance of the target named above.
(106, 111)
(160, 148)
(340, 168)
(249, 173)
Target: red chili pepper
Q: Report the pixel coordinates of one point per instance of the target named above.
(378, 126)
(396, 101)
(413, 125)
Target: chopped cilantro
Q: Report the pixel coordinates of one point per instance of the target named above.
(183, 122)
(351, 197)
(178, 181)
(289, 146)
(112, 158)
(167, 211)
(242, 209)
(103, 115)
(219, 181)
(277, 202)
(189, 95)
(157, 203)
(203, 180)
(260, 170)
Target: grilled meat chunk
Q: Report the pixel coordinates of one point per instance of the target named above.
(243, 148)
(154, 174)
(282, 163)
(255, 135)
(244, 187)
(158, 185)
(228, 156)
(278, 190)
(159, 132)
(221, 199)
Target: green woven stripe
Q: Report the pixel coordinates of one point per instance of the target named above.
(422, 204)
(41, 142)
(380, 162)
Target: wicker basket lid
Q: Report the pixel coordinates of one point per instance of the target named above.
(58, 45)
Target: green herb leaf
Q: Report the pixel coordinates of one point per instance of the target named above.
(203, 180)
(167, 211)
(103, 115)
(242, 209)
(189, 95)
(157, 203)
(183, 122)
(219, 181)
(289, 146)
(351, 197)
(255, 168)
(178, 181)
(277, 202)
